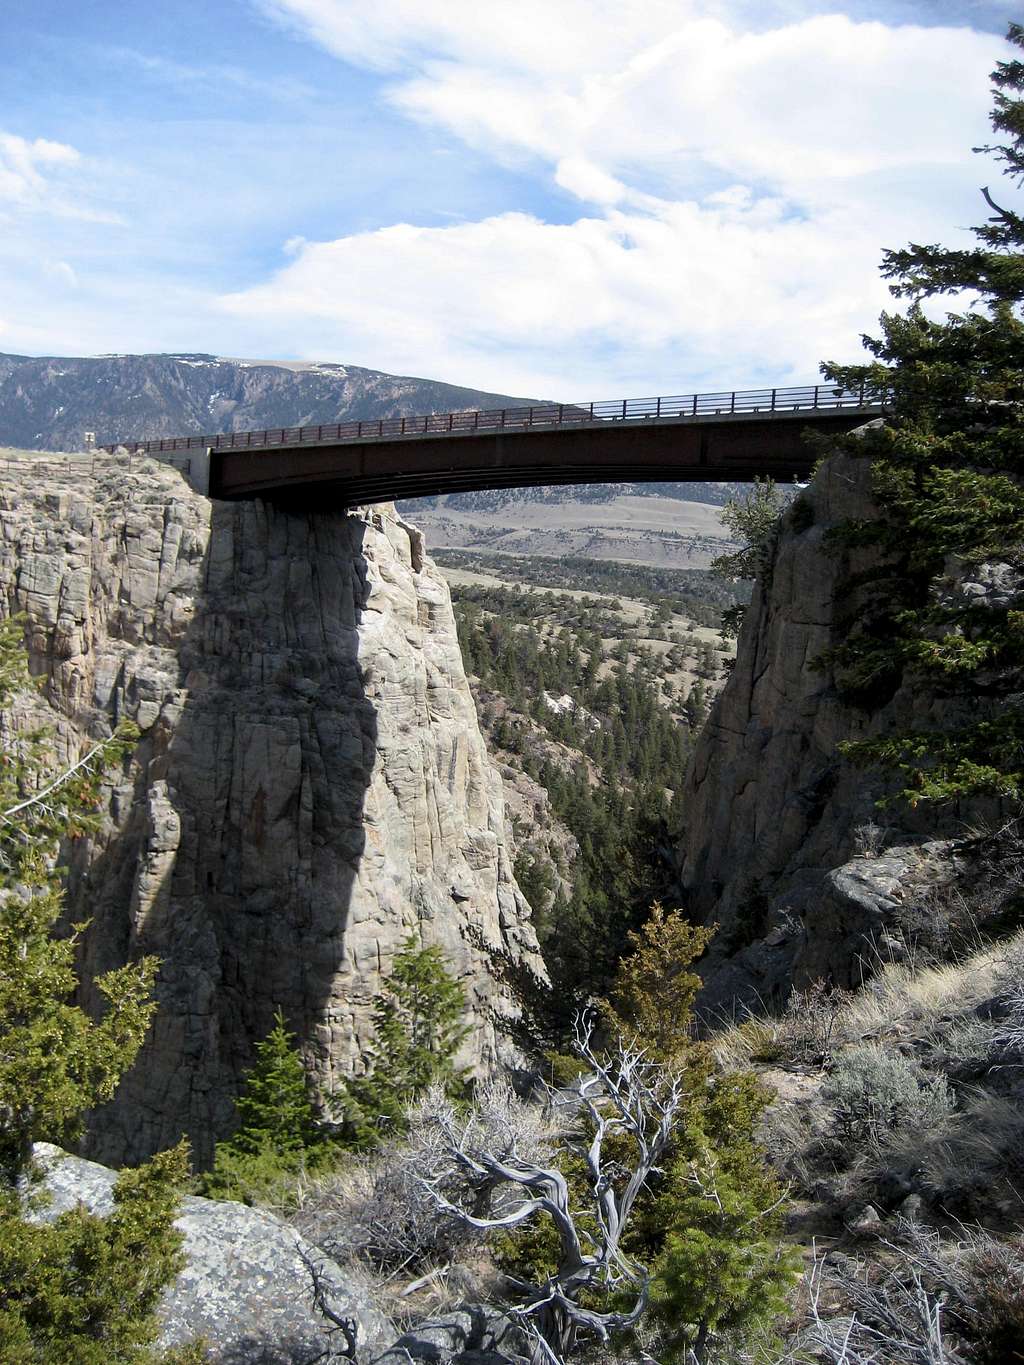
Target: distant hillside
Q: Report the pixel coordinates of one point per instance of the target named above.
(493, 501)
(50, 402)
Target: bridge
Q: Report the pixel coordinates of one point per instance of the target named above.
(705, 436)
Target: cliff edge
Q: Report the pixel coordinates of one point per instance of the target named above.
(785, 847)
(310, 785)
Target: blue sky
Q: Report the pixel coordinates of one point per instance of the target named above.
(558, 197)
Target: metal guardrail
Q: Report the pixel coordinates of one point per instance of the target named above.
(805, 398)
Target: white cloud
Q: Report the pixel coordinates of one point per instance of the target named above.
(740, 184)
(649, 87)
(42, 176)
(63, 272)
(25, 166)
(209, 76)
(689, 295)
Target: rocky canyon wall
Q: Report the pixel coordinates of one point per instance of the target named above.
(310, 785)
(785, 847)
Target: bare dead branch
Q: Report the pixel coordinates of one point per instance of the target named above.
(320, 1289)
(622, 1092)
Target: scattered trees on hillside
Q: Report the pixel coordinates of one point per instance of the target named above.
(615, 799)
(693, 593)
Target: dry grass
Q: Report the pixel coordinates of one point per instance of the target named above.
(914, 1004)
(901, 999)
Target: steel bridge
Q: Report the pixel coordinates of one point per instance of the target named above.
(703, 436)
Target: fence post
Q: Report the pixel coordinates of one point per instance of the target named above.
(774, 391)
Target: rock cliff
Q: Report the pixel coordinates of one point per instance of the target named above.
(784, 846)
(310, 785)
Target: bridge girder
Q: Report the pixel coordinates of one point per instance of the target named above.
(714, 449)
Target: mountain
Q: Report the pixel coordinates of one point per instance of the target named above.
(50, 402)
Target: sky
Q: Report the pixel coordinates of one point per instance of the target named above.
(566, 199)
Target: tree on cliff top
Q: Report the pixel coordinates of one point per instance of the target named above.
(79, 1290)
(947, 468)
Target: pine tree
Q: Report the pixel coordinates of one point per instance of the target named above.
(278, 1134)
(947, 474)
(275, 1106)
(80, 1290)
(418, 1022)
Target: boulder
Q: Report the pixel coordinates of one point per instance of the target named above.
(244, 1289)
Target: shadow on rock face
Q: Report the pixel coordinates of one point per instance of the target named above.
(245, 829)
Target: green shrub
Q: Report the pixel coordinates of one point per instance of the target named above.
(754, 520)
(80, 1290)
(879, 1098)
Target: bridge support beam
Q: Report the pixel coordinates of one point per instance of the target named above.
(718, 448)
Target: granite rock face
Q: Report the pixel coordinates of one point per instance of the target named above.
(310, 786)
(784, 846)
(245, 1288)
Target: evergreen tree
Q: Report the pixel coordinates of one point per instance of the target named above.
(947, 470)
(418, 1022)
(80, 1290)
(275, 1102)
(278, 1135)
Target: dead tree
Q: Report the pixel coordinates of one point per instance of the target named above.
(621, 1094)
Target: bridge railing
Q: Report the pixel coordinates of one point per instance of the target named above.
(804, 398)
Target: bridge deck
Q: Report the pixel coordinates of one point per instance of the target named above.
(719, 436)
